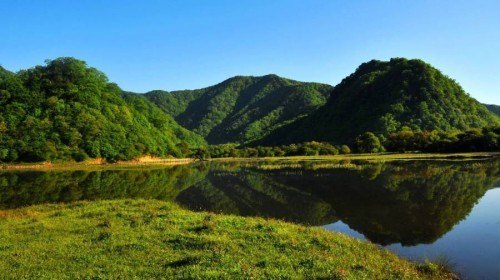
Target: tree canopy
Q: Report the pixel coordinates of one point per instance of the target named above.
(67, 110)
(385, 96)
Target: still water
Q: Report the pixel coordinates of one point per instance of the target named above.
(444, 210)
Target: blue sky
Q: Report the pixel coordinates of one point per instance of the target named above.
(185, 44)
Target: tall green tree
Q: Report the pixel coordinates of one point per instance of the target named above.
(368, 143)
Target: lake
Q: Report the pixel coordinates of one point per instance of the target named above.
(423, 209)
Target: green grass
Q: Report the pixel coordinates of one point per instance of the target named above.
(152, 239)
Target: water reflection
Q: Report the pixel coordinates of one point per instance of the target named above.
(406, 202)
(34, 187)
(399, 202)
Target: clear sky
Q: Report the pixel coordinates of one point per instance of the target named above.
(186, 44)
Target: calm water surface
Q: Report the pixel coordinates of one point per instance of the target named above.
(447, 210)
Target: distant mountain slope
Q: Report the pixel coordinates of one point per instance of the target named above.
(242, 109)
(66, 110)
(495, 109)
(163, 121)
(384, 96)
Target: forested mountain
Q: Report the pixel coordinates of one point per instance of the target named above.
(495, 109)
(67, 110)
(384, 97)
(242, 109)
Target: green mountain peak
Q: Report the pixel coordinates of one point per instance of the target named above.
(242, 108)
(385, 96)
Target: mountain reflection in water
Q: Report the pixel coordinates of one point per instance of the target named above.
(408, 202)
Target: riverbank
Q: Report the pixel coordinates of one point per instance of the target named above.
(154, 239)
(98, 164)
(376, 157)
(152, 161)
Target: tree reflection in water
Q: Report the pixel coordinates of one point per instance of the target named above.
(410, 202)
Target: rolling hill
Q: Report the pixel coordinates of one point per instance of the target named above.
(383, 97)
(67, 110)
(242, 109)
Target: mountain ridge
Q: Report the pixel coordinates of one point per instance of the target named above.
(495, 109)
(242, 108)
(68, 110)
(386, 96)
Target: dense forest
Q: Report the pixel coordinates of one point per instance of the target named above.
(384, 97)
(242, 109)
(66, 110)
(405, 140)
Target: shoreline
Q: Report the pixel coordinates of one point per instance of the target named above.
(375, 157)
(96, 163)
(151, 161)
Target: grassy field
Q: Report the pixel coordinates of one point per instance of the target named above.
(152, 239)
